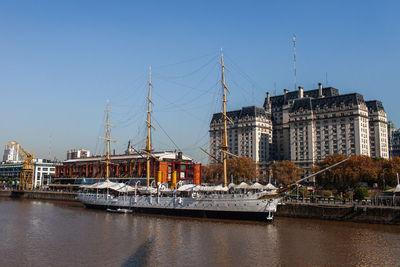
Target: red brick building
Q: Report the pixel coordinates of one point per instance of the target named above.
(129, 167)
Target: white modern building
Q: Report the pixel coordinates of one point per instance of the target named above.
(12, 153)
(43, 172)
(78, 153)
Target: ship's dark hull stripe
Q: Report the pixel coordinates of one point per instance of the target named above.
(231, 215)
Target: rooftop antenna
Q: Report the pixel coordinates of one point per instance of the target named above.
(294, 60)
(252, 94)
(49, 157)
(326, 79)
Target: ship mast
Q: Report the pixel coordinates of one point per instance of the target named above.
(148, 141)
(224, 146)
(108, 140)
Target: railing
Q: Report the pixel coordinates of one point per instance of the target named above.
(378, 201)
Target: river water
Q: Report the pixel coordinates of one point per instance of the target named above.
(40, 233)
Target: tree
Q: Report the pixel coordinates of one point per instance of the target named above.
(360, 193)
(286, 172)
(333, 178)
(240, 168)
(356, 170)
(389, 171)
(212, 173)
(362, 169)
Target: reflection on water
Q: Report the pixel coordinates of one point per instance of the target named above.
(141, 256)
(36, 233)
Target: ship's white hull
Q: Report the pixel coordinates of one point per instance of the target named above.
(228, 206)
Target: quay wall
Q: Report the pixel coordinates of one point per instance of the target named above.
(353, 213)
(40, 195)
(5, 193)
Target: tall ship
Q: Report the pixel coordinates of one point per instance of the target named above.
(239, 202)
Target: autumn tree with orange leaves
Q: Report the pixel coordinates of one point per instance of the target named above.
(212, 173)
(356, 170)
(241, 169)
(286, 172)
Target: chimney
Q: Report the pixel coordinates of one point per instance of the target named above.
(285, 91)
(179, 156)
(301, 92)
(320, 90)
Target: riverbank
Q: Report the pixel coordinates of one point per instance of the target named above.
(39, 195)
(340, 212)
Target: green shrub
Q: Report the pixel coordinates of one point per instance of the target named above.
(360, 193)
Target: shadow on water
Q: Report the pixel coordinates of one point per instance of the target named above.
(141, 256)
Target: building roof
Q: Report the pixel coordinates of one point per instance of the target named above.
(251, 111)
(279, 100)
(374, 105)
(347, 100)
(326, 92)
(328, 102)
(302, 103)
(162, 156)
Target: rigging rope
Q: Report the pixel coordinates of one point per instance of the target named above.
(190, 73)
(186, 61)
(186, 97)
(166, 134)
(97, 149)
(244, 74)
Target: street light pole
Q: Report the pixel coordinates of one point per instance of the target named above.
(383, 178)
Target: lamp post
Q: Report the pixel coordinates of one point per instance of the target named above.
(383, 178)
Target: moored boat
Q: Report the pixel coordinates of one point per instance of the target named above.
(255, 203)
(190, 202)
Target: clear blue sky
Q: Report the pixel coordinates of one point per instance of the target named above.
(60, 61)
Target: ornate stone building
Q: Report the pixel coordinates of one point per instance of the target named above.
(305, 127)
(378, 130)
(250, 134)
(311, 125)
(394, 141)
